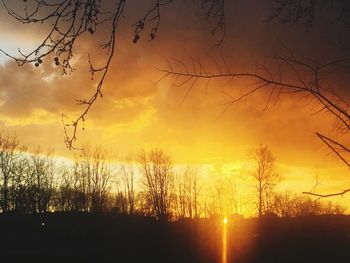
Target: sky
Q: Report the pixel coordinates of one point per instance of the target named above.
(140, 112)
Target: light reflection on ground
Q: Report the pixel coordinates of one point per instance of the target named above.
(224, 241)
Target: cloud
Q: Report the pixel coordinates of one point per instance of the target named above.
(137, 112)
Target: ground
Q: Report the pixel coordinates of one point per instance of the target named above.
(83, 237)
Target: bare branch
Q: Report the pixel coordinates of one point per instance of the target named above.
(289, 75)
(327, 195)
(68, 20)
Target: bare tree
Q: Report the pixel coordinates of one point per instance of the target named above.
(293, 11)
(156, 169)
(291, 205)
(128, 170)
(86, 185)
(187, 192)
(143, 203)
(265, 176)
(95, 169)
(219, 193)
(72, 191)
(225, 191)
(285, 75)
(8, 154)
(40, 181)
(283, 204)
(194, 192)
(18, 185)
(26, 179)
(64, 192)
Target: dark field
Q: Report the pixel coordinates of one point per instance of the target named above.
(60, 237)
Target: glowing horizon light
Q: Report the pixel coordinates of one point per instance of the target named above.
(225, 221)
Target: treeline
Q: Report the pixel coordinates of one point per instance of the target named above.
(95, 182)
(266, 177)
(146, 184)
(292, 205)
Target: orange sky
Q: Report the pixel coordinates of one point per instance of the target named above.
(139, 113)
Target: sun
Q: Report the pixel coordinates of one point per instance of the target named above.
(225, 220)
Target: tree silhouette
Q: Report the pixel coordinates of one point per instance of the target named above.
(288, 205)
(187, 193)
(157, 171)
(128, 171)
(294, 11)
(285, 75)
(9, 147)
(265, 176)
(41, 181)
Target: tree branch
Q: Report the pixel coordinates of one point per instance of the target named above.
(327, 195)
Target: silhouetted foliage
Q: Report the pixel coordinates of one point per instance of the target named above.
(147, 184)
(288, 205)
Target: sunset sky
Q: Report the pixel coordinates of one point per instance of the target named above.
(138, 112)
